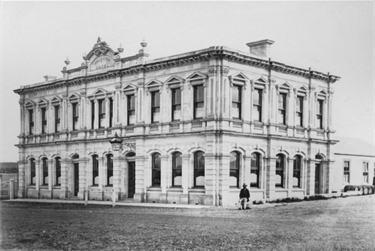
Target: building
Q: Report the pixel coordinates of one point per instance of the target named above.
(354, 163)
(195, 126)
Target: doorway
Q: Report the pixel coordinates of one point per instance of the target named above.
(317, 178)
(131, 179)
(76, 179)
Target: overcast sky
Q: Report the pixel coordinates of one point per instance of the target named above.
(335, 37)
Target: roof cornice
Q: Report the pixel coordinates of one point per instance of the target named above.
(218, 52)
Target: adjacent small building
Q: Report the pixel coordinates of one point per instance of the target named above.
(8, 170)
(354, 163)
(192, 128)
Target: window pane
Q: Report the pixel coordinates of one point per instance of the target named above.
(199, 93)
(282, 101)
(176, 96)
(236, 94)
(156, 163)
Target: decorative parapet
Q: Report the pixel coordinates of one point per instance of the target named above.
(179, 60)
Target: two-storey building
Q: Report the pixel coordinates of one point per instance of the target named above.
(195, 127)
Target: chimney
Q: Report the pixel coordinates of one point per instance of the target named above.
(261, 48)
(49, 78)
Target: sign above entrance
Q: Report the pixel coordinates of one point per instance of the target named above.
(102, 62)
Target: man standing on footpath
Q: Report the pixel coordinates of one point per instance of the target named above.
(244, 196)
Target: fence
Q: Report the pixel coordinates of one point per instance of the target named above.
(8, 189)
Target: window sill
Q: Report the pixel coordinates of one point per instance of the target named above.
(281, 189)
(154, 189)
(175, 189)
(197, 190)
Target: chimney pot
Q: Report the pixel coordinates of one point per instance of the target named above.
(261, 48)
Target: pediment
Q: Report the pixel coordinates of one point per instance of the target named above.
(101, 56)
(30, 104)
(129, 89)
(174, 80)
(240, 77)
(153, 83)
(42, 102)
(74, 97)
(196, 76)
(56, 100)
(99, 93)
(261, 80)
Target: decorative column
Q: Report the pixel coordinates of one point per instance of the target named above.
(64, 113)
(83, 110)
(82, 173)
(270, 184)
(289, 176)
(185, 178)
(50, 175)
(64, 178)
(37, 175)
(96, 116)
(247, 170)
(107, 112)
(22, 177)
(224, 180)
(116, 105)
(163, 181)
(23, 117)
(116, 144)
(210, 92)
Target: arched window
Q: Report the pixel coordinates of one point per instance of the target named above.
(156, 168)
(58, 171)
(176, 169)
(95, 170)
(234, 176)
(45, 171)
(280, 165)
(255, 167)
(109, 170)
(297, 165)
(32, 171)
(199, 169)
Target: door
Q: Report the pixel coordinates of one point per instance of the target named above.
(76, 178)
(131, 179)
(317, 178)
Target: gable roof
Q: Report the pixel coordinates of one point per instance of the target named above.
(353, 146)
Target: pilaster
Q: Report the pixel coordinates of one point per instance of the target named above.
(164, 172)
(185, 173)
(270, 182)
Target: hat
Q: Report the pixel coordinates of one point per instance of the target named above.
(244, 185)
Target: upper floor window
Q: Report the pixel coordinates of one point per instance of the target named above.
(255, 168)
(92, 114)
(156, 170)
(346, 178)
(176, 104)
(319, 114)
(257, 105)
(198, 101)
(365, 172)
(110, 112)
(199, 165)
(32, 171)
(101, 112)
(234, 176)
(236, 102)
(176, 169)
(31, 122)
(155, 107)
(299, 111)
(58, 171)
(44, 119)
(297, 166)
(75, 116)
(109, 170)
(282, 109)
(57, 118)
(95, 170)
(280, 166)
(131, 109)
(45, 171)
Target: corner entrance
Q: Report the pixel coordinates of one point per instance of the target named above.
(76, 179)
(131, 179)
(317, 178)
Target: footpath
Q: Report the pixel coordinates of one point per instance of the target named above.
(110, 203)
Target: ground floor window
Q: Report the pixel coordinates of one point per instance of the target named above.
(58, 171)
(346, 178)
(176, 170)
(156, 170)
(280, 165)
(32, 171)
(365, 172)
(95, 170)
(45, 171)
(199, 164)
(255, 167)
(109, 170)
(234, 169)
(297, 166)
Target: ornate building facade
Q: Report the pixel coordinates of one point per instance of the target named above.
(193, 126)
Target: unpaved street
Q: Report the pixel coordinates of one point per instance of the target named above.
(335, 224)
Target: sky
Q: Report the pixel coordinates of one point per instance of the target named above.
(334, 37)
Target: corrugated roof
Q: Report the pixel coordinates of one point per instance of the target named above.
(354, 147)
(8, 167)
